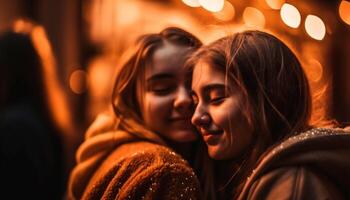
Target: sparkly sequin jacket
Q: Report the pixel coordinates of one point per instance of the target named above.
(312, 165)
(117, 165)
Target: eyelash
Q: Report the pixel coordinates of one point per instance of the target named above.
(163, 91)
(217, 100)
(214, 101)
(195, 100)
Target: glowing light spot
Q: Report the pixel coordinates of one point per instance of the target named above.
(227, 13)
(125, 14)
(212, 5)
(344, 11)
(191, 3)
(42, 43)
(77, 81)
(314, 70)
(290, 15)
(253, 17)
(22, 26)
(275, 4)
(315, 27)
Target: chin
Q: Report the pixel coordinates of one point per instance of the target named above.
(215, 154)
(184, 136)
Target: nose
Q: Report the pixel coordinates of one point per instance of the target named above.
(183, 101)
(200, 117)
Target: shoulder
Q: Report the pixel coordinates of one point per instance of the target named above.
(293, 183)
(143, 169)
(143, 154)
(22, 116)
(319, 158)
(21, 128)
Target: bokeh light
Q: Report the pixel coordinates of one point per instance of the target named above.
(125, 13)
(290, 15)
(212, 5)
(315, 27)
(22, 26)
(227, 13)
(253, 17)
(275, 4)
(77, 81)
(344, 11)
(192, 3)
(314, 70)
(42, 44)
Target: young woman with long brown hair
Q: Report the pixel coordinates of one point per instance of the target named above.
(253, 108)
(133, 156)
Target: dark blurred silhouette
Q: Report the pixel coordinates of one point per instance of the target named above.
(31, 142)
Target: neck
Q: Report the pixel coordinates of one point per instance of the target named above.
(237, 170)
(224, 171)
(228, 172)
(185, 149)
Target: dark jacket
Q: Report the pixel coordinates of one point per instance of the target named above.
(31, 165)
(312, 165)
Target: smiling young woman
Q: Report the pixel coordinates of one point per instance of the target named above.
(136, 153)
(253, 108)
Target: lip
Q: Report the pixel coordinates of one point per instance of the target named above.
(211, 132)
(211, 137)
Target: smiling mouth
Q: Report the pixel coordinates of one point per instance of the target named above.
(212, 137)
(211, 132)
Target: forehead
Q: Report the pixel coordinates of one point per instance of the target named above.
(167, 59)
(205, 74)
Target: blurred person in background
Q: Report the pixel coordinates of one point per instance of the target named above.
(34, 116)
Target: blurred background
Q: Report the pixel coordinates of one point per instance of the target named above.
(88, 38)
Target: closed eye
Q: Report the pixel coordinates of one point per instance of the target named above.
(217, 100)
(161, 84)
(216, 95)
(194, 98)
(163, 90)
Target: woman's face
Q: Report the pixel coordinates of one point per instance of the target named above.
(218, 115)
(165, 102)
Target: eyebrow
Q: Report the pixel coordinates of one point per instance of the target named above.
(213, 86)
(156, 77)
(209, 87)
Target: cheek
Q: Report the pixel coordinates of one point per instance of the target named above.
(156, 107)
(226, 115)
(220, 117)
(240, 135)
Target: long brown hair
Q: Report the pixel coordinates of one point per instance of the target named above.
(124, 98)
(274, 86)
